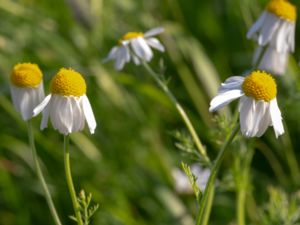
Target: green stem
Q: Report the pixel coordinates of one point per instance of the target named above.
(180, 110)
(256, 64)
(241, 206)
(41, 176)
(205, 204)
(70, 181)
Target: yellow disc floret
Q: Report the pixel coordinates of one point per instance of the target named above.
(283, 9)
(26, 75)
(131, 35)
(68, 82)
(260, 86)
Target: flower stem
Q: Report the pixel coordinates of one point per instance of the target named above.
(260, 57)
(241, 206)
(70, 181)
(206, 201)
(41, 176)
(180, 110)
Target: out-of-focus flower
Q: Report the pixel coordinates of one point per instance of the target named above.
(275, 29)
(258, 104)
(182, 183)
(135, 46)
(27, 88)
(67, 106)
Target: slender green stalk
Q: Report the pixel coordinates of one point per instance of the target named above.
(241, 206)
(263, 51)
(205, 204)
(76, 206)
(41, 176)
(180, 110)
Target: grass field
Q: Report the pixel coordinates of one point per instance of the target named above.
(127, 164)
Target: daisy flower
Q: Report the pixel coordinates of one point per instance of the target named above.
(258, 104)
(27, 90)
(275, 29)
(67, 106)
(135, 46)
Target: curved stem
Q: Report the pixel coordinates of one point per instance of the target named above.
(70, 181)
(41, 176)
(205, 205)
(180, 110)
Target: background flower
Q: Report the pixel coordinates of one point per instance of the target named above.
(27, 88)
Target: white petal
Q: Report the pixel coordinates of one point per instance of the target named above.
(45, 117)
(224, 98)
(141, 49)
(247, 115)
(111, 54)
(265, 121)
(89, 115)
(155, 43)
(276, 118)
(154, 31)
(121, 57)
(136, 60)
(42, 105)
(232, 83)
(257, 25)
(269, 27)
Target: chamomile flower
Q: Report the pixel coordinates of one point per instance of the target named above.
(275, 29)
(135, 46)
(67, 106)
(258, 104)
(27, 88)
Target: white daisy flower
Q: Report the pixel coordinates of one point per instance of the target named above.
(27, 88)
(182, 183)
(258, 104)
(67, 106)
(275, 29)
(135, 46)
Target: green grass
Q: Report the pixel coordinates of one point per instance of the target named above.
(127, 163)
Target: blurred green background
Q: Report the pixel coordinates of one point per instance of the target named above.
(127, 164)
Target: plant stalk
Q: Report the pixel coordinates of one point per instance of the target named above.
(40, 175)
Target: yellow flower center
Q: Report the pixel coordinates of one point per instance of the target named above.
(68, 82)
(283, 9)
(131, 35)
(26, 75)
(260, 86)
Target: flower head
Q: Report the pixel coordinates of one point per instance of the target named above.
(258, 104)
(275, 29)
(135, 46)
(67, 106)
(26, 88)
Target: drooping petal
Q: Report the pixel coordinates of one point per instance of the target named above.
(155, 43)
(121, 57)
(232, 83)
(141, 49)
(112, 54)
(42, 105)
(257, 25)
(89, 115)
(154, 31)
(269, 27)
(265, 120)
(276, 118)
(224, 98)
(247, 115)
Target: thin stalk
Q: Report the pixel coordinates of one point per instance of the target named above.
(180, 110)
(205, 205)
(263, 51)
(75, 203)
(241, 206)
(41, 176)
